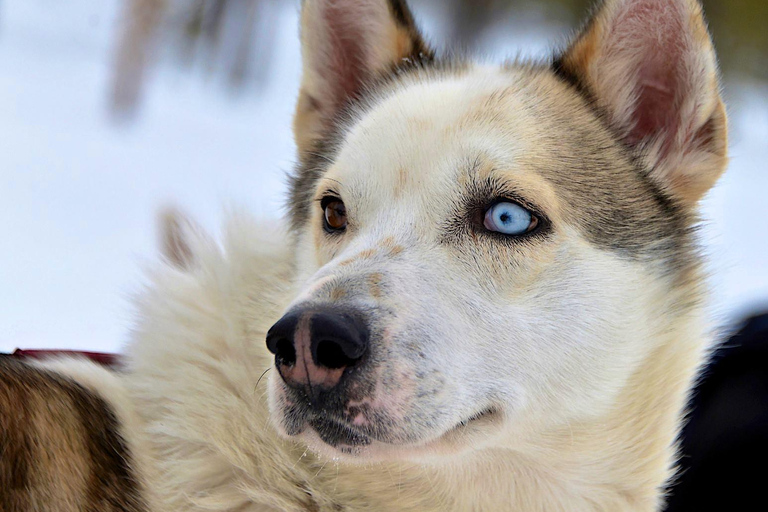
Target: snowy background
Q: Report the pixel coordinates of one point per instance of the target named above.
(79, 191)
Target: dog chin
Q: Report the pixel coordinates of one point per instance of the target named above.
(341, 443)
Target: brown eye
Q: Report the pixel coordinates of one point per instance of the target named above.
(335, 214)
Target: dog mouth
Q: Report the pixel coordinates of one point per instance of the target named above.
(350, 440)
(334, 427)
(338, 434)
(486, 416)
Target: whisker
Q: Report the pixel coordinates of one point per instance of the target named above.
(262, 376)
(336, 483)
(319, 470)
(302, 456)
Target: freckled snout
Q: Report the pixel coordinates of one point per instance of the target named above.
(313, 347)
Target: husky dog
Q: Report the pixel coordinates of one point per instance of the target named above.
(489, 298)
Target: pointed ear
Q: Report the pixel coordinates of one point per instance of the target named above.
(179, 239)
(650, 66)
(344, 43)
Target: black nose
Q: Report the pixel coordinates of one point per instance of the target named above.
(313, 347)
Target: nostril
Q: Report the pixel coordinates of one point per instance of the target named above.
(285, 352)
(331, 355)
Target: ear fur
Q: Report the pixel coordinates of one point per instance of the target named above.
(179, 237)
(345, 43)
(650, 65)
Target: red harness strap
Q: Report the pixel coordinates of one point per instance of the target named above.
(110, 360)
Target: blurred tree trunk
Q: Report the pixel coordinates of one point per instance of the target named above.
(469, 19)
(136, 38)
(231, 37)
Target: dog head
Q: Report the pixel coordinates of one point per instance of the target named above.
(487, 250)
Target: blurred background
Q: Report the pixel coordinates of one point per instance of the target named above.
(111, 109)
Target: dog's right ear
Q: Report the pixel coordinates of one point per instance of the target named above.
(345, 43)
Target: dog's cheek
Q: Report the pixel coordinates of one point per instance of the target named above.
(407, 396)
(282, 411)
(393, 402)
(590, 322)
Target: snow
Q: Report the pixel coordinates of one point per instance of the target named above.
(79, 192)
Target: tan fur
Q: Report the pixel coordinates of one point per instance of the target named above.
(374, 283)
(43, 478)
(109, 385)
(60, 444)
(338, 294)
(362, 255)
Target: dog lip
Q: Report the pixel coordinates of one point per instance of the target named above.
(338, 433)
(486, 415)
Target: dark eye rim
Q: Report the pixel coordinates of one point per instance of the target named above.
(534, 218)
(542, 224)
(324, 202)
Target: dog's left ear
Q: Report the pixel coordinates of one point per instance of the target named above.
(344, 44)
(650, 66)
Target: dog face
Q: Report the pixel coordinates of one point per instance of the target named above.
(486, 252)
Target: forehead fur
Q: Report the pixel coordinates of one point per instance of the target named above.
(560, 139)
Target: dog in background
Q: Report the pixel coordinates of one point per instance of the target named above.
(489, 298)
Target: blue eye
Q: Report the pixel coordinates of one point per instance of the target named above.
(509, 219)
